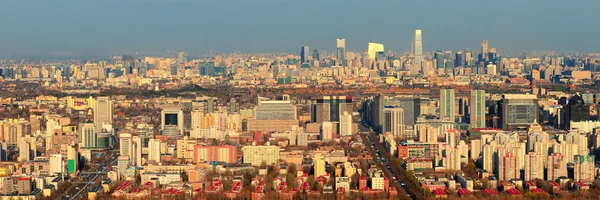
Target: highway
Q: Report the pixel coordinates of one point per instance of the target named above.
(89, 178)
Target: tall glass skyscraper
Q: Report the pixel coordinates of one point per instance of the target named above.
(341, 51)
(418, 53)
(304, 54)
(439, 59)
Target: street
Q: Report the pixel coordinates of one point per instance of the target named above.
(95, 174)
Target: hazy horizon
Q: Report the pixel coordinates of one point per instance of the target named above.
(196, 26)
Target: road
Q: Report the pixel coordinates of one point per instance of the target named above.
(383, 164)
(96, 173)
(373, 139)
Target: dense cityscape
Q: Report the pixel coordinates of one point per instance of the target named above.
(374, 124)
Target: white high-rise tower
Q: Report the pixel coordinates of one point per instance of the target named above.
(418, 48)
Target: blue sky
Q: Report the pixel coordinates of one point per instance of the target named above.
(103, 27)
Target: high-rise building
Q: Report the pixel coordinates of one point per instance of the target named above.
(518, 111)
(316, 55)
(126, 145)
(484, 50)
(103, 112)
(25, 153)
(576, 111)
(72, 160)
(439, 60)
(326, 131)
(172, 122)
(447, 104)
(182, 58)
(346, 124)
(154, 150)
(477, 108)
(459, 60)
(534, 166)
(341, 51)
(304, 51)
(557, 166)
(330, 108)
(584, 168)
(57, 165)
(374, 49)
(393, 121)
(508, 168)
(418, 52)
(89, 137)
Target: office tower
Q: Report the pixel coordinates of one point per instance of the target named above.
(304, 51)
(103, 113)
(326, 131)
(508, 168)
(584, 168)
(89, 137)
(477, 108)
(341, 51)
(316, 55)
(373, 49)
(557, 166)
(293, 139)
(346, 124)
(172, 120)
(56, 164)
(207, 68)
(447, 104)
(576, 111)
(125, 145)
(418, 52)
(459, 59)
(484, 50)
(319, 165)
(275, 110)
(518, 111)
(439, 60)
(534, 166)
(491, 69)
(393, 121)
(330, 108)
(492, 55)
(233, 106)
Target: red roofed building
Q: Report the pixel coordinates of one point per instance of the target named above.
(581, 186)
(171, 193)
(439, 193)
(531, 185)
(464, 192)
(304, 186)
(514, 192)
(537, 190)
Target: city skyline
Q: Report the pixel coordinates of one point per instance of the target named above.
(85, 27)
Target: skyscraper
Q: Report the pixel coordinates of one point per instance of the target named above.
(518, 110)
(439, 59)
(418, 48)
(557, 166)
(304, 54)
(89, 136)
(508, 168)
(316, 55)
(477, 108)
(584, 169)
(393, 121)
(330, 108)
(103, 112)
(447, 104)
(484, 51)
(373, 49)
(345, 124)
(341, 51)
(459, 60)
